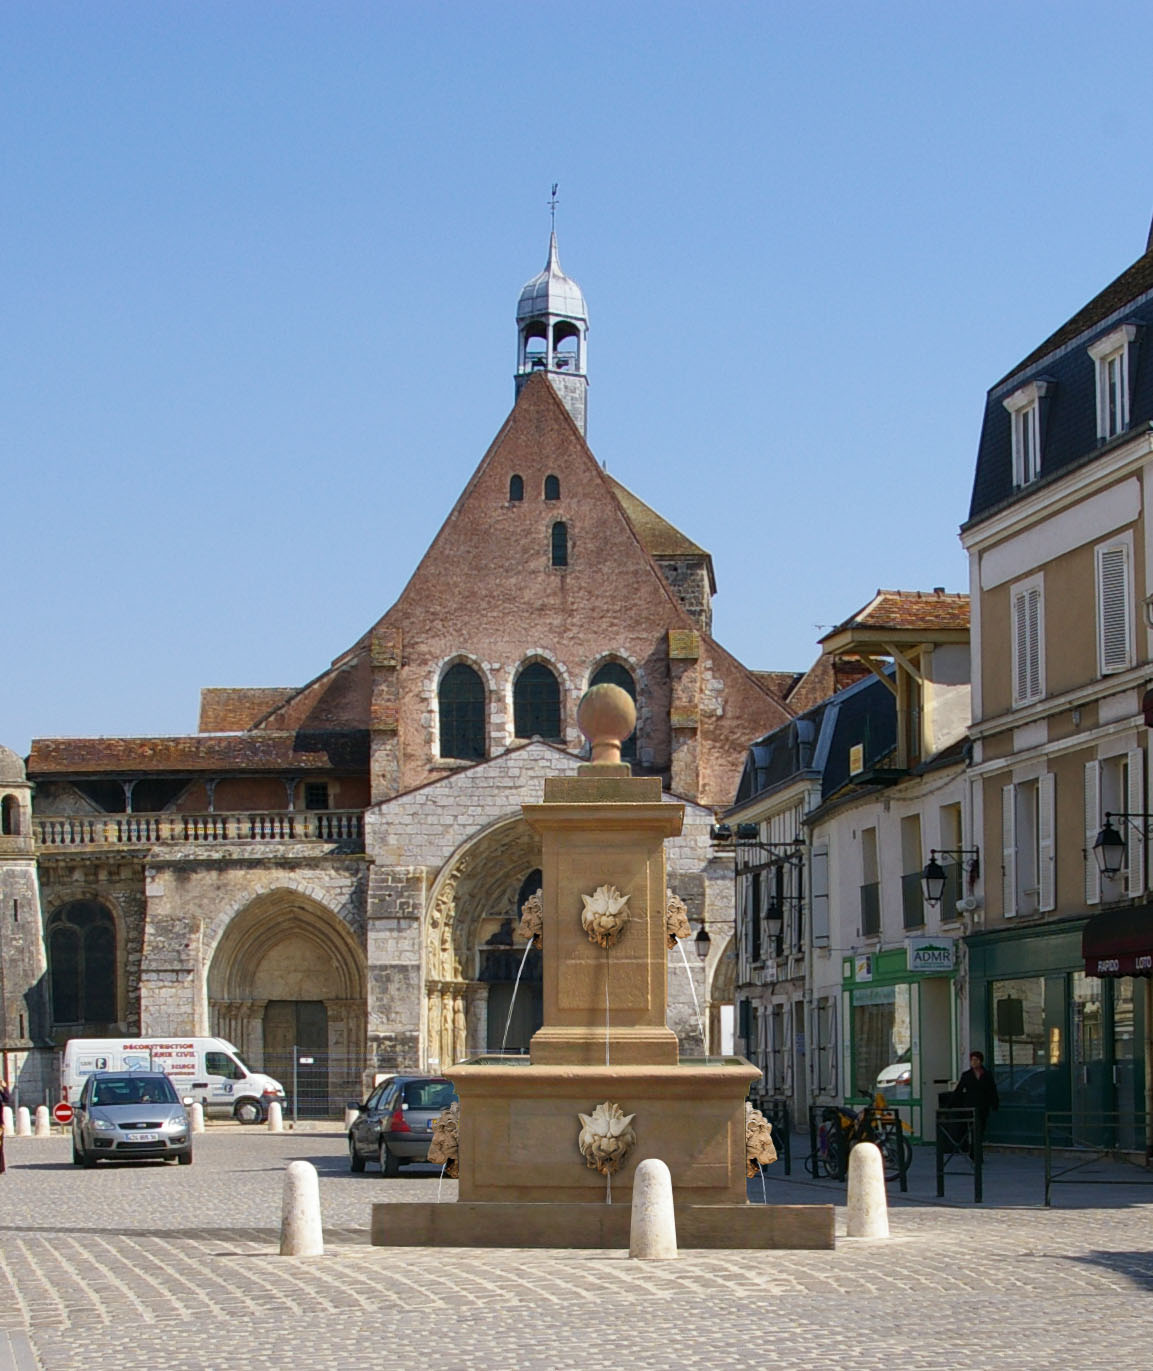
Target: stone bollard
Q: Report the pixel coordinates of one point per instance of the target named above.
(275, 1118)
(301, 1233)
(196, 1117)
(43, 1121)
(23, 1122)
(9, 1120)
(653, 1232)
(868, 1205)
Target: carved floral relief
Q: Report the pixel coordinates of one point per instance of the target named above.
(676, 920)
(759, 1147)
(606, 1138)
(605, 915)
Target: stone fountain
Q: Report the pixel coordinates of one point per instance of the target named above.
(548, 1147)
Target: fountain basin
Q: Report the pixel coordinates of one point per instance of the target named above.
(519, 1127)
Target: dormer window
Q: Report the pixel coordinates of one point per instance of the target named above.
(1024, 408)
(1111, 357)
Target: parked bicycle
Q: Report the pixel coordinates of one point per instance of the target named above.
(841, 1128)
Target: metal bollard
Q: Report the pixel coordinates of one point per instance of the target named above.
(301, 1231)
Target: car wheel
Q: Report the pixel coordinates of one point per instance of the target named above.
(389, 1161)
(247, 1111)
(355, 1160)
(185, 1158)
(88, 1161)
(77, 1155)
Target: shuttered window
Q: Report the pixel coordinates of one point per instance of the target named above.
(1028, 644)
(1114, 620)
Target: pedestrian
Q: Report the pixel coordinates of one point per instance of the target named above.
(977, 1089)
(5, 1101)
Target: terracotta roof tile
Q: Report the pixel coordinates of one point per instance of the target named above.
(909, 609)
(258, 751)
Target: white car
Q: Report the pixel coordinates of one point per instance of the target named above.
(896, 1081)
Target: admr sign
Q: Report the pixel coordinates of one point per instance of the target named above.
(62, 1112)
(931, 956)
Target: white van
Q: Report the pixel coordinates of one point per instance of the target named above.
(206, 1069)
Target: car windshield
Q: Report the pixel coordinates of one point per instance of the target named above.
(429, 1094)
(133, 1090)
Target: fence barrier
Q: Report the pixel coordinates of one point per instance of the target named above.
(1109, 1135)
(960, 1142)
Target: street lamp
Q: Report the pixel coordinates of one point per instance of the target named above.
(934, 876)
(774, 917)
(1109, 848)
(702, 942)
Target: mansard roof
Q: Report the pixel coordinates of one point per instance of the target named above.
(1068, 435)
(815, 745)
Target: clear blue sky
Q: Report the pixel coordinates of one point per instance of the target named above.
(261, 262)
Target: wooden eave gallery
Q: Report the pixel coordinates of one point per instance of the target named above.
(875, 646)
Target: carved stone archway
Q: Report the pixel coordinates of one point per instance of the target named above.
(475, 892)
(288, 951)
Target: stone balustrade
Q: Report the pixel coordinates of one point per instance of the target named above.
(151, 830)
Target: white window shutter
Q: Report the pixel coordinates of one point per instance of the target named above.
(1046, 842)
(1135, 838)
(1033, 630)
(1020, 648)
(1009, 851)
(1113, 631)
(1092, 828)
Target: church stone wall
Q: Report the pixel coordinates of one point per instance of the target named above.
(193, 896)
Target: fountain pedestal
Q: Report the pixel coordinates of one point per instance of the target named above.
(523, 1179)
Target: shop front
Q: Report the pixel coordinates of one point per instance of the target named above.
(899, 1011)
(1062, 1022)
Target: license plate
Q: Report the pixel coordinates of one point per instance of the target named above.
(431, 1125)
(142, 1137)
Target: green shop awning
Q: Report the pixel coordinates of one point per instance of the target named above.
(1119, 942)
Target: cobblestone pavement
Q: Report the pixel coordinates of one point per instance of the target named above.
(177, 1267)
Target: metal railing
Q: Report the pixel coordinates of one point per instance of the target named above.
(960, 1143)
(870, 908)
(1094, 1137)
(151, 830)
(912, 900)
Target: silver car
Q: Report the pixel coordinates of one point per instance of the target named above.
(128, 1115)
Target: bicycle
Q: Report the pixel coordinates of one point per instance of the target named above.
(841, 1128)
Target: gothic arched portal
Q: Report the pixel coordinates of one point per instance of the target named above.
(287, 986)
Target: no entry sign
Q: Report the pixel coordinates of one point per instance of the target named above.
(62, 1112)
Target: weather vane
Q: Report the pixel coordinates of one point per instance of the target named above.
(552, 206)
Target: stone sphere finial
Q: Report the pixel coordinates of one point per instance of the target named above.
(606, 716)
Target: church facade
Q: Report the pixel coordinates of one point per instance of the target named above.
(329, 876)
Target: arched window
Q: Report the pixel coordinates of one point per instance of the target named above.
(560, 544)
(10, 815)
(462, 723)
(552, 487)
(515, 488)
(82, 964)
(536, 703)
(612, 673)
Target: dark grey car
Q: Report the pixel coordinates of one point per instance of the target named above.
(128, 1116)
(394, 1124)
